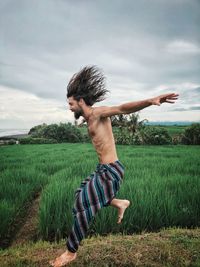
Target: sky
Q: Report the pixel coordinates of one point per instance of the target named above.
(144, 48)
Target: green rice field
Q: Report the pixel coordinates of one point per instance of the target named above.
(162, 183)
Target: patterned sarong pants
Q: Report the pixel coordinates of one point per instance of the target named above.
(95, 192)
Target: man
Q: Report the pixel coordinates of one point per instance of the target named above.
(99, 189)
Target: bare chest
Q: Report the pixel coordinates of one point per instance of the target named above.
(92, 128)
(98, 126)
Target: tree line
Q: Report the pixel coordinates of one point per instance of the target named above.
(127, 129)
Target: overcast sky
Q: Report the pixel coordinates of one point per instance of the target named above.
(144, 48)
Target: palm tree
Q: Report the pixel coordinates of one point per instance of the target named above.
(133, 124)
(129, 121)
(129, 127)
(119, 120)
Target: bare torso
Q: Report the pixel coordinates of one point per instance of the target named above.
(100, 131)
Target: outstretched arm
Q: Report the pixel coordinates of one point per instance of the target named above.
(131, 107)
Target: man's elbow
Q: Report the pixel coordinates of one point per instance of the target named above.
(119, 110)
(123, 110)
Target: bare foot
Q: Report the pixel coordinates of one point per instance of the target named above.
(123, 206)
(64, 259)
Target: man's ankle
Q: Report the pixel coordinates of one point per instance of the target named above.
(71, 253)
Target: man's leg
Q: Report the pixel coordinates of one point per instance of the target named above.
(79, 230)
(83, 211)
(121, 205)
(98, 190)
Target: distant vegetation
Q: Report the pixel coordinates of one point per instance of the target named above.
(127, 129)
(191, 135)
(63, 132)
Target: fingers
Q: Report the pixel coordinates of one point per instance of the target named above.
(169, 101)
(171, 95)
(172, 98)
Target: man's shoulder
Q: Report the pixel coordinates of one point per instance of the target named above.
(97, 111)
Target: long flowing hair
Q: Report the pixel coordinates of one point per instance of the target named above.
(89, 84)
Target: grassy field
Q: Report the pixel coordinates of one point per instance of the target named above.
(162, 182)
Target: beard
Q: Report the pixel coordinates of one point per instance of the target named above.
(77, 114)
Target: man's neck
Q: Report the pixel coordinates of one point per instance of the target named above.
(87, 111)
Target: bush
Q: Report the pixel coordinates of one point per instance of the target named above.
(147, 135)
(68, 133)
(8, 142)
(64, 132)
(37, 131)
(191, 136)
(176, 139)
(121, 138)
(155, 136)
(11, 142)
(86, 138)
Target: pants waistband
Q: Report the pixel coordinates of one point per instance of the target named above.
(103, 165)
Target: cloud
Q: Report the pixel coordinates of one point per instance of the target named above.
(182, 47)
(27, 109)
(195, 108)
(185, 109)
(179, 109)
(143, 48)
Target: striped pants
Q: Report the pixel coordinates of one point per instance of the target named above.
(96, 192)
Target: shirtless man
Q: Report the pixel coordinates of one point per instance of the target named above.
(84, 89)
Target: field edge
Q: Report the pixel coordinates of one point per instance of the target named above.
(169, 247)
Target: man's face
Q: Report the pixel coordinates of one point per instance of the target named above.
(75, 107)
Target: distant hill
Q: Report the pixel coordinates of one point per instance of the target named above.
(171, 122)
(15, 136)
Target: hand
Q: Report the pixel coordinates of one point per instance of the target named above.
(164, 98)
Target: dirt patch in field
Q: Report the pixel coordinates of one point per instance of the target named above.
(28, 226)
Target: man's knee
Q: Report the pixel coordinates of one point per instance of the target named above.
(78, 205)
